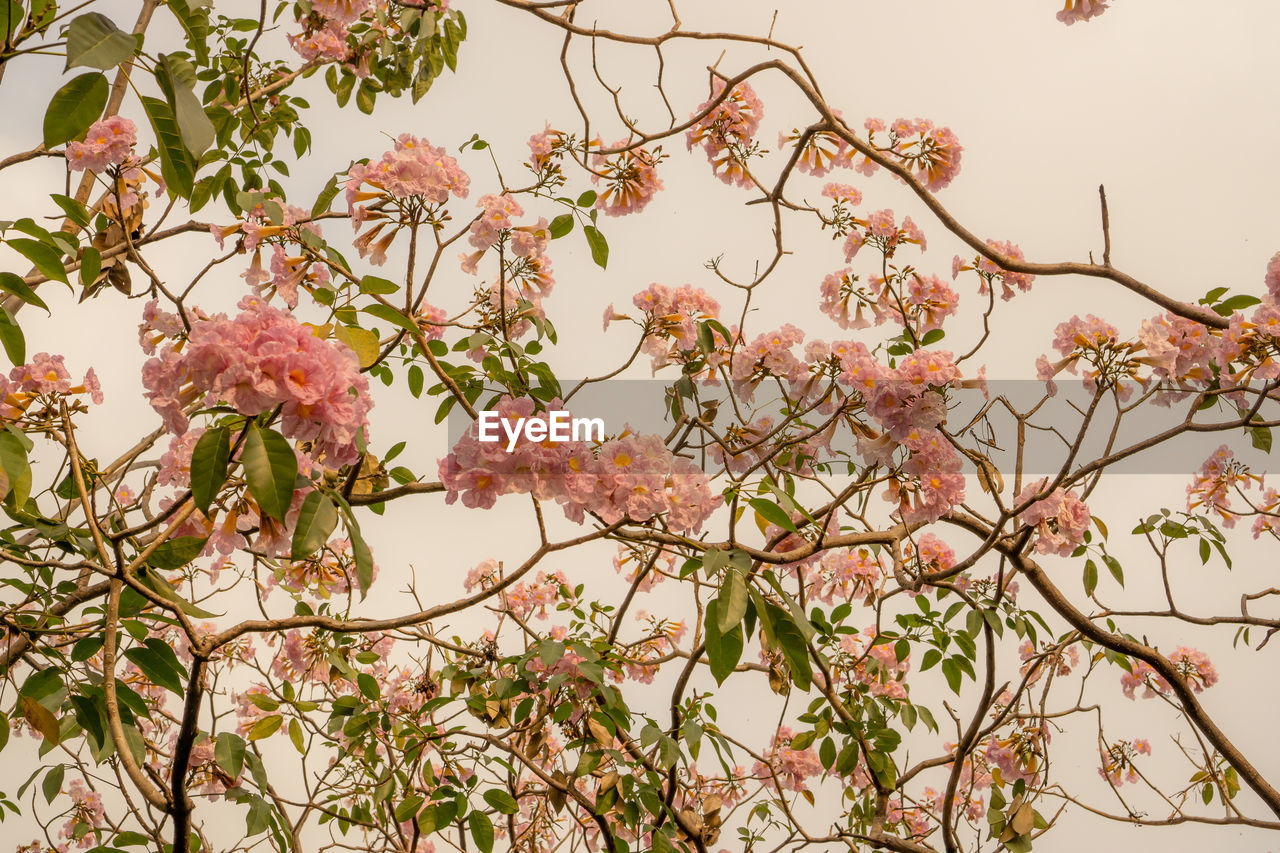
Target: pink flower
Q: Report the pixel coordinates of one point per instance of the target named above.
(1081, 10)
(727, 131)
(262, 359)
(631, 180)
(1060, 519)
(327, 43)
(786, 767)
(107, 143)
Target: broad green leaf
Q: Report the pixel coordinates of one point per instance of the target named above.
(176, 553)
(724, 650)
(374, 284)
(316, 520)
(363, 342)
(11, 283)
(152, 580)
(228, 752)
(391, 315)
(209, 463)
(94, 41)
(155, 668)
(74, 107)
(295, 736)
(732, 600)
(75, 211)
(270, 469)
(52, 784)
(794, 648)
(773, 514)
(46, 258)
(501, 801)
(326, 197)
(90, 265)
(561, 225)
(195, 22)
(481, 831)
(266, 727)
(16, 468)
(364, 559)
(176, 164)
(599, 246)
(176, 78)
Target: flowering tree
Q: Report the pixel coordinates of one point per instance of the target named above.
(892, 562)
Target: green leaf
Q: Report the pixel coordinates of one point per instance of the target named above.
(362, 342)
(326, 197)
(382, 286)
(773, 514)
(1236, 303)
(732, 601)
(176, 163)
(155, 668)
(1090, 577)
(364, 559)
(15, 345)
(316, 520)
(932, 337)
(794, 648)
(391, 315)
(228, 752)
(1260, 438)
(1114, 565)
(266, 727)
(46, 258)
(177, 79)
(16, 469)
(176, 553)
(724, 650)
(271, 470)
(481, 831)
(209, 463)
(94, 41)
(11, 283)
(90, 265)
(74, 107)
(195, 22)
(561, 225)
(599, 246)
(52, 784)
(501, 801)
(295, 735)
(75, 211)
(152, 580)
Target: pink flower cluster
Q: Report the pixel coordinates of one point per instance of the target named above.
(1060, 519)
(844, 574)
(1081, 10)
(1117, 762)
(989, 270)
(633, 477)
(932, 152)
(631, 180)
(412, 169)
(44, 374)
(727, 130)
(675, 315)
(823, 152)
(786, 767)
(326, 43)
(1213, 483)
(1193, 665)
(1178, 348)
(108, 143)
(261, 359)
(875, 665)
